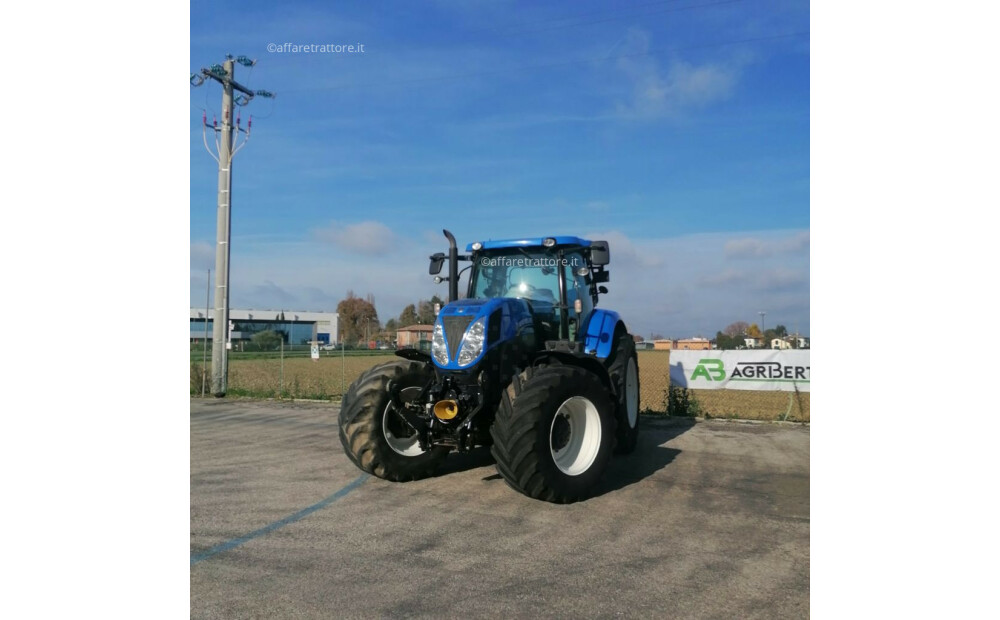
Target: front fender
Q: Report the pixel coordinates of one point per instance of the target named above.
(599, 331)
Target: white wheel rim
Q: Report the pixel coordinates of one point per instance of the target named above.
(407, 446)
(632, 393)
(577, 452)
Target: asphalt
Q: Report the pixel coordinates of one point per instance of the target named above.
(704, 520)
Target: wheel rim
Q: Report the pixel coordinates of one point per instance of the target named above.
(575, 436)
(632, 393)
(395, 430)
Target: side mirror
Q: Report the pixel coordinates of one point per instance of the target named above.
(436, 261)
(600, 253)
(602, 290)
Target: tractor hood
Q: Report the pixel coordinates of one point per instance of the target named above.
(466, 329)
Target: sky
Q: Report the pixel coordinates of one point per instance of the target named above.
(676, 130)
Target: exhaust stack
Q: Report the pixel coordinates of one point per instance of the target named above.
(452, 267)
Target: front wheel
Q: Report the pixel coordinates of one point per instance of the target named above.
(553, 433)
(374, 436)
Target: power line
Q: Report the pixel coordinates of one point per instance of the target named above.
(526, 68)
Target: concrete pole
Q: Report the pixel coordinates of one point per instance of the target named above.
(204, 343)
(220, 326)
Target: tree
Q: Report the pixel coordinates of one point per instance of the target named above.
(754, 332)
(727, 342)
(657, 337)
(780, 331)
(426, 314)
(408, 316)
(267, 339)
(737, 329)
(769, 335)
(391, 326)
(357, 316)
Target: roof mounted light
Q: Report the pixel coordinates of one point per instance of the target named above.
(477, 246)
(550, 242)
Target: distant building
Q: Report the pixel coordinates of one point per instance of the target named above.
(413, 335)
(753, 343)
(644, 346)
(295, 326)
(692, 344)
(684, 344)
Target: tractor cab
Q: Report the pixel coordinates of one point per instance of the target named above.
(558, 278)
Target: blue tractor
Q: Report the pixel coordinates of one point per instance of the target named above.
(525, 363)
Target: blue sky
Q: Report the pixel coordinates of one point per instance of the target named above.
(677, 130)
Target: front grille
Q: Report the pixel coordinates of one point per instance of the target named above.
(454, 329)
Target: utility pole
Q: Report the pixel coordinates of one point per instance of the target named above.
(204, 343)
(226, 147)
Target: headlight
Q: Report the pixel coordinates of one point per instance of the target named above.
(438, 350)
(472, 345)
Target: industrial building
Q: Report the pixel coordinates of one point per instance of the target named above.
(297, 326)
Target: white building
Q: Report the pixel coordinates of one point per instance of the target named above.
(299, 327)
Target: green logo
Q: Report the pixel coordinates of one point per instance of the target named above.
(712, 370)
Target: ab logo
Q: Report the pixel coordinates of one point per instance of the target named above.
(713, 370)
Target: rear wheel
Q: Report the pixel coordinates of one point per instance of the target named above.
(553, 432)
(624, 371)
(374, 436)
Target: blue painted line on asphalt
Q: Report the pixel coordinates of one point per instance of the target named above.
(267, 529)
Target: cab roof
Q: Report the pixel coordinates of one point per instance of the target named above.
(530, 242)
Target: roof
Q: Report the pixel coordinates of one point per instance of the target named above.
(416, 328)
(528, 242)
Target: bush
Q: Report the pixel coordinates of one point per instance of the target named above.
(681, 403)
(196, 378)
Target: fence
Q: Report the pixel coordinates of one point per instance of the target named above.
(294, 375)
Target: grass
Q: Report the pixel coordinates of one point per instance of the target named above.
(328, 377)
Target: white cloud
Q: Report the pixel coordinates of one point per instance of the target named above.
(202, 256)
(623, 251)
(754, 247)
(683, 85)
(367, 237)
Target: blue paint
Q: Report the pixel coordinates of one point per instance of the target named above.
(267, 529)
(514, 318)
(598, 331)
(533, 242)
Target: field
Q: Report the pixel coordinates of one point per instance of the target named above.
(328, 378)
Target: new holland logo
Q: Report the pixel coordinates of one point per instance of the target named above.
(714, 370)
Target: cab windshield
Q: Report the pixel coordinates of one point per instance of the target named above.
(528, 274)
(518, 273)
